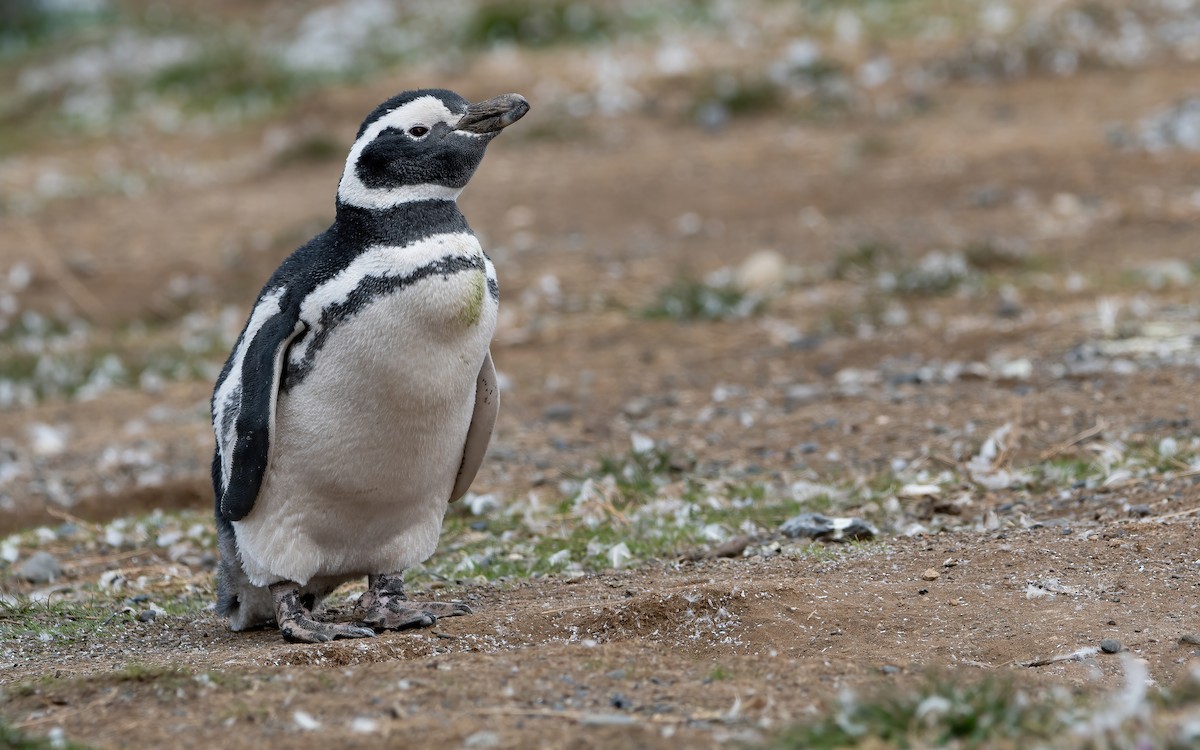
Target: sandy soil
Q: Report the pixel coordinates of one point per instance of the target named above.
(687, 653)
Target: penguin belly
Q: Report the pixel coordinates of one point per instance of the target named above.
(366, 448)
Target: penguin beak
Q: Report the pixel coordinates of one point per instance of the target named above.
(493, 115)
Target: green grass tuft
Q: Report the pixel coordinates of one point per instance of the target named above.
(12, 738)
(689, 299)
(535, 24)
(27, 24)
(228, 76)
(861, 261)
(942, 713)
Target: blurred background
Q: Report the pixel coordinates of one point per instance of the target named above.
(761, 245)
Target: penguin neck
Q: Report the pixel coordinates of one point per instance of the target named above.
(400, 224)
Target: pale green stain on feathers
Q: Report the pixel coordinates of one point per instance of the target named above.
(473, 303)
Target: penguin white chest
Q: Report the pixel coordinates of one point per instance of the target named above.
(370, 428)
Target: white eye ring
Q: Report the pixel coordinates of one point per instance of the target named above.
(418, 131)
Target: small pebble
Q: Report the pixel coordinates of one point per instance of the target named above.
(734, 547)
(364, 725)
(482, 739)
(1110, 646)
(931, 575)
(1192, 639)
(824, 528)
(761, 273)
(305, 721)
(41, 567)
(559, 412)
(147, 615)
(637, 408)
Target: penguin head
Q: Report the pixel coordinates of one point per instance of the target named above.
(422, 145)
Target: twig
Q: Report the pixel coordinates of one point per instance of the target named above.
(1091, 432)
(945, 460)
(1077, 655)
(62, 515)
(1177, 514)
(973, 663)
(102, 559)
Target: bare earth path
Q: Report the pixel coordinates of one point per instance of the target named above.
(1062, 326)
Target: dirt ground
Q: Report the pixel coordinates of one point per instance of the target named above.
(587, 226)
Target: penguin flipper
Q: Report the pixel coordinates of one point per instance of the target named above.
(262, 371)
(487, 405)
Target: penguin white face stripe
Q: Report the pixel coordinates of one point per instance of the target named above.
(427, 111)
(229, 391)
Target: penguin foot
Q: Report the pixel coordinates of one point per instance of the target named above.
(385, 606)
(296, 623)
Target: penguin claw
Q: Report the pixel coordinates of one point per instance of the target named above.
(307, 630)
(397, 617)
(385, 606)
(402, 615)
(297, 625)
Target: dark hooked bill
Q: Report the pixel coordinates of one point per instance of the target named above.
(493, 115)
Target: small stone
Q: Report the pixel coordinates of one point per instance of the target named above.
(931, 575)
(823, 528)
(637, 408)
(735, 547)
(559, 412)
(364, 725)
(305, 721)
(1110, 646)
(1191, 639)
(761, 273)
(41, 567)
(482, 739)
(147, 615)
(46, 440)
(1008, 309)
(890, 669)
(620, 701)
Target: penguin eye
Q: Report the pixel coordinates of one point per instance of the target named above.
(416, 131)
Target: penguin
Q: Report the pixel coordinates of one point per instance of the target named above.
(360, 396)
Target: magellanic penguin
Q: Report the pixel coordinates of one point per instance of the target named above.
(360, 397)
